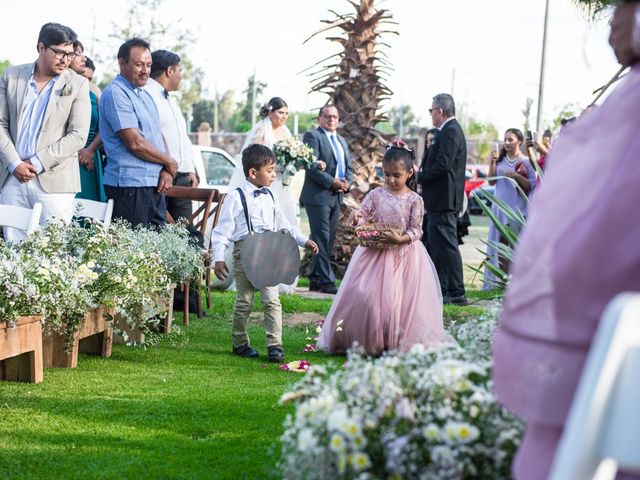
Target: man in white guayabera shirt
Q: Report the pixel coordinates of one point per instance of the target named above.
(166, 75)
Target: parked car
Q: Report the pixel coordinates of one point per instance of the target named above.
(475, 176)
(214, 167)
(477, 195)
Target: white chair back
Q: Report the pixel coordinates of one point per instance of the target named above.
(602, 433)
(94, 209)
(26, 219)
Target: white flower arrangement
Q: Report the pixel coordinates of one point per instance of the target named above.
(60, 271)
(426, 414)
(292, 155)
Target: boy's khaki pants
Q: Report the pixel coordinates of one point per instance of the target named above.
(244, 300)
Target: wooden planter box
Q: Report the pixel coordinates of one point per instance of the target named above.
(21, 350)
(94, 336)
(164, 326)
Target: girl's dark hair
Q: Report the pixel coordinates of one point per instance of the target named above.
(256, 156)
(405, 155)
(519, 136)
(276, 103)
(431, 131)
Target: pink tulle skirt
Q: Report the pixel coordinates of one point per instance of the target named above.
(388, 300)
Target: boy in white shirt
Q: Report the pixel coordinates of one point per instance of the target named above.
(258, 163)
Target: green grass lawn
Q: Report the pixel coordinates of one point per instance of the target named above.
(185, 409)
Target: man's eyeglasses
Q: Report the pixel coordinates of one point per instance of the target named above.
(60, 54)
(434, 108)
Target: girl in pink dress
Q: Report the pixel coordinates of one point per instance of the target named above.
(390, 298)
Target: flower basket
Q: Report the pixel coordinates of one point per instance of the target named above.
(94, 336)
(21, 350)
(368, 235)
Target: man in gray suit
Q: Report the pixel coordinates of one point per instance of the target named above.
(44, 120)
(323, 193)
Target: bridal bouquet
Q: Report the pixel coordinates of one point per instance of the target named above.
(292, 155)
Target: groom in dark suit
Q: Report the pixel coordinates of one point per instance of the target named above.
(323, 193)
(442, 177)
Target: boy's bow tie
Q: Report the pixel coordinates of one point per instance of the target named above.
(257, 192)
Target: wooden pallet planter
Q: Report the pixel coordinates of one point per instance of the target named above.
(95, 337)
(21, 350)
(135, 335)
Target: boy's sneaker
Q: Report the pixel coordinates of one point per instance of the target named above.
(245, 351)
(276, 353)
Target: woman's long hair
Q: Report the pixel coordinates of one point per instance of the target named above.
(519, 136)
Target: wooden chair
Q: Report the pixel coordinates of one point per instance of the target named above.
(94, 209)
(210, 202)
(26, 219)
(601, 434)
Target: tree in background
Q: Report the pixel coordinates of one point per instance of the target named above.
(244, 120)
(482, 135)
(353, 80)
(402, 119)
(142, 19)
(526, 111)
(3, 65)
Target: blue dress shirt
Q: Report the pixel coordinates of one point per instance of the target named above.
(122, 106)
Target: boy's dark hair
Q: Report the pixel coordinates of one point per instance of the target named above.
(125, 49)
(256, 156)
(161, 60)
(56, 34)
(404, 155)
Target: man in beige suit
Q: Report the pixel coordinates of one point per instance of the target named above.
(44, 120)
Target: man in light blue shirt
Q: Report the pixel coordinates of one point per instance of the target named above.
(138, 168)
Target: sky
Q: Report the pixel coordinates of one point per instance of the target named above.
(486, 53)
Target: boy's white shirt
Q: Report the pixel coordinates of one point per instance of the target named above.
(232, 225)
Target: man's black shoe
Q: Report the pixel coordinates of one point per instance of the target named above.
(460, 301)
(276, 353)
(328, 288)
(245, 351)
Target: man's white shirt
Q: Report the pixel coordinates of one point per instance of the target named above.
(264, 214)
(173, 126)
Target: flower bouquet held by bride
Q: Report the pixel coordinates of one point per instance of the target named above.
(292, 155)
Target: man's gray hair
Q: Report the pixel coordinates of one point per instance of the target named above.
(446, 103)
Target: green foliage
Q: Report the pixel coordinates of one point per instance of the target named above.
(245, 108)
(306, 121)
(567, 111)
(526, 111)
(403, 114)
(4, 64)
(481, 132)
(144, 19)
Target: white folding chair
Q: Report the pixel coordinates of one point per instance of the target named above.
(94, 209)
(602, 433)
(26, 219)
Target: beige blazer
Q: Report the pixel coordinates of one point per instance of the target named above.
(64, 131)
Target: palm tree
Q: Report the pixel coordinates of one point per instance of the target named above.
(353, 80)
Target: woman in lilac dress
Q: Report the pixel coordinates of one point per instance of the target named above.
(515, 169)
(390, 298)
(578, 250)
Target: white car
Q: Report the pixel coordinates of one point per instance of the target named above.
(215, 168)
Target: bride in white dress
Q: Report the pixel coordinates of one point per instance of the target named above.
(268, 131)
